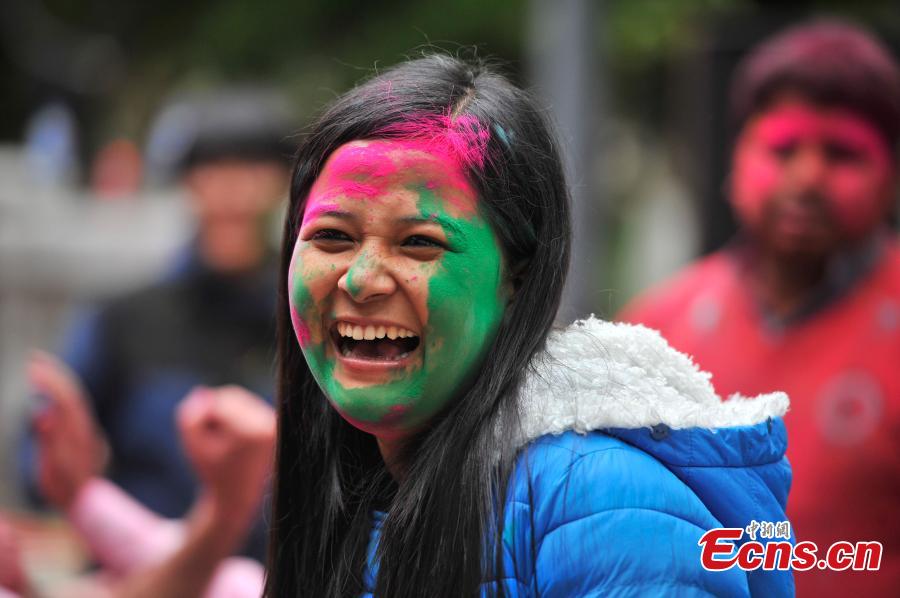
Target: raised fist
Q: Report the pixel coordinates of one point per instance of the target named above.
(71, 449)
(229, 436)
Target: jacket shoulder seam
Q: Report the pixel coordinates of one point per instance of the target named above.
(613, 509)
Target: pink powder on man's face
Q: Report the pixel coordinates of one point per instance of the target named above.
(755, 176)
(300, 328)
(766, 165)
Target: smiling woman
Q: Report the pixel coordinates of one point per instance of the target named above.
(391, 235)
(428, 426)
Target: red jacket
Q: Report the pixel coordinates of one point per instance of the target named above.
(840, 366)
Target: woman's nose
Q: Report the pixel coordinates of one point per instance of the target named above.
(367, 278)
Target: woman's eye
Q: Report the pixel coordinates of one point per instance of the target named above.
(423, 241)
(330, 233)
(328, 238)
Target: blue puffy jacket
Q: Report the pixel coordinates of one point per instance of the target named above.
(628, 458)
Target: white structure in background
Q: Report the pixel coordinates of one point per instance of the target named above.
(60, 249)
(662, 230)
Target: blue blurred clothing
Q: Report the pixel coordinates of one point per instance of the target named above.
(139, 355)
(628, 458)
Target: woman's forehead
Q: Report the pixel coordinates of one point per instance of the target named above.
(385, 158)
(380, 169)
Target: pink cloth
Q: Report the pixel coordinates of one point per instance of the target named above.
(841, 368)
(125, 536)
(237, 578)
(121, 533)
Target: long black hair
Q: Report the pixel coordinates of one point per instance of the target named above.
(440, 530)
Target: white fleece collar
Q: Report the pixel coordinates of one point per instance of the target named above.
(595, 375)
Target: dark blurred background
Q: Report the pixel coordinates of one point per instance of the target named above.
(88, 208)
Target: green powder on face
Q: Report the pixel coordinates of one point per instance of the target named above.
(303, 302)
(466, 302)
(357, 272)
(465, 307)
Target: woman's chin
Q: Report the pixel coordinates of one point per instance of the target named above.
(392, 425)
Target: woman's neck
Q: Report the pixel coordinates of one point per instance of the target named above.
(391, 451)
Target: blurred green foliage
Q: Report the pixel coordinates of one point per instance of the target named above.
(314, 49)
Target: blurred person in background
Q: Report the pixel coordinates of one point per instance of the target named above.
(807, 298)
(210, 320)
(12, 572)
(228, 434)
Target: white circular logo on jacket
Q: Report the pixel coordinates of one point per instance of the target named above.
(849, 408)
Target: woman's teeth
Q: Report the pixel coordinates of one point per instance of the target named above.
(357, 332)
(389, 343)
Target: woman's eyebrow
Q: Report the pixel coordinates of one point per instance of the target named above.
(339, 214)
(445, 223)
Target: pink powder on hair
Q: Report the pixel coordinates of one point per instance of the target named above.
(463, 140)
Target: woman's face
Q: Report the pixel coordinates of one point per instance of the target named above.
(396, 283)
